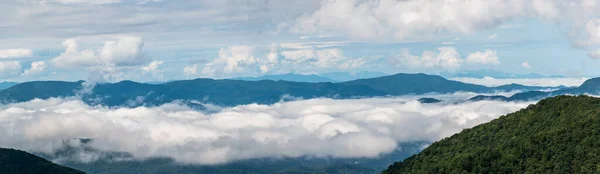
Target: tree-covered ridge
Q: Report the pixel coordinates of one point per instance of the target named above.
(557, 135)
(20, 162)
(236, 92)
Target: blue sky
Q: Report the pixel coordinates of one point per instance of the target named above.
(158, 40)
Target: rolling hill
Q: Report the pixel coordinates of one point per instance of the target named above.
(20, 162)
(557, 135)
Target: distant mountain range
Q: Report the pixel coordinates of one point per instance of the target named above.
(235, 92)
(315, 78)
(349, 76)
(591, 86)
(6, 85)
(557, 135)
(494, 74)
(20, 162)
(312, 78)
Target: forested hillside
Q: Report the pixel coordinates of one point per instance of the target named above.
(557, 135)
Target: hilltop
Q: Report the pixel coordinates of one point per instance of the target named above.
(557, 135)
(20, 162)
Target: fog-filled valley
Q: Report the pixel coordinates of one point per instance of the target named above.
(299, 87)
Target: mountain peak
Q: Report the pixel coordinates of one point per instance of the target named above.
(591, 84)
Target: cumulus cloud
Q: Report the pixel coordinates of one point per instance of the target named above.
(259, 59)
(36, 68)
(593, 29)
(446, 58)
(191, 70)
(234, 59)
(486, 57)
(15, 53)
(153, 66)
(321, 58)
(490, 81)
(125, 51)
(10, 68)
(114, 61)
(317, 127)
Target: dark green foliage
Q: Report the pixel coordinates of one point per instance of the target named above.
(557, 135)
(20, 162)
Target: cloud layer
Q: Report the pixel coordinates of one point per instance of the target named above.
(318, 127)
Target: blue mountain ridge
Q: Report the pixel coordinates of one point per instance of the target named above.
(235, 92)
(590, 86)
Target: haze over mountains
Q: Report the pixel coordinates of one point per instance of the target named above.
(590, 87)
(236, 92)
(349, 76)
(115, 98)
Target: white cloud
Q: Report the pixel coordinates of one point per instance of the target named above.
(323, 58)
(545, 8)
(231, 60)
(421, 19)
(493, 36)
(15, 53)
(248, 60)
(486, 57)
(36, 68)
(526, 65)
(153, 66)
(368, 19)
(10, 68)
(191, 70)
(447, 58)
(593, 29)
(318, 127)
(490, 81)
(126, 51)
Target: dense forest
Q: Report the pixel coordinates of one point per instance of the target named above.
(557, 135)
(20, 162)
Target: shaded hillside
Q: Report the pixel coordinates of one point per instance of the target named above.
(20, 162)
(235, 92)
(557, 135)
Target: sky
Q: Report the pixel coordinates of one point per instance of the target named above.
(160, 40)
